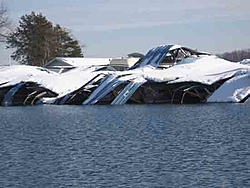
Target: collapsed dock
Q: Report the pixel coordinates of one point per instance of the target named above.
(166, 74)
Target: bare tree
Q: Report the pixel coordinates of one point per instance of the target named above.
(236, 56)
(4, 22)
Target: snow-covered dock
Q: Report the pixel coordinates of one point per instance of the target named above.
(167, 74)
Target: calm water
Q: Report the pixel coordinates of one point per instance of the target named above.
(125, 146)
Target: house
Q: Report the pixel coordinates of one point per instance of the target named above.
(63, 64)
(123, 63)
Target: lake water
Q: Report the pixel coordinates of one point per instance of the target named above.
(205, 145)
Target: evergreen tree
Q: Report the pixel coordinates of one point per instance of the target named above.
(37, 41)
(65, 45)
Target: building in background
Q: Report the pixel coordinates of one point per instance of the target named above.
(63, 64)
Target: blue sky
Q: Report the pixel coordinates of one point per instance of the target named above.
(114, 28)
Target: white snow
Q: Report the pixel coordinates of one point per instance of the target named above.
(207, 70)
(59, 83)
(234, 90)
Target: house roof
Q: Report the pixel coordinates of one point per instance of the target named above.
(76, 62)
(126, 62)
